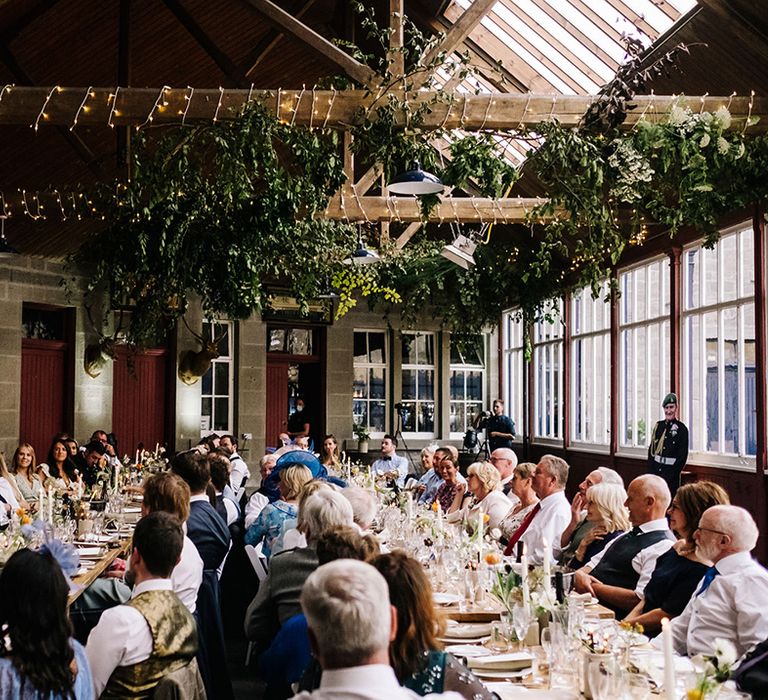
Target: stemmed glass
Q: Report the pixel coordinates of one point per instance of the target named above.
(522, 616)
(605, 678)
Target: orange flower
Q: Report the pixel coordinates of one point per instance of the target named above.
(21, 512)
(492, 558)
(486, 517)
(434, 506)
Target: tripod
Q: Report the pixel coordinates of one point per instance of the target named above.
(485, 447)
(399, 436)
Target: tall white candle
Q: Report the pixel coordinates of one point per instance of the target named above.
(41, 504)
(547, 554)
(50, 505)
(439, 520)
(157, 448)
(117, 474)
(524, 574)
(137, 457)
(669, 659)
(480, 524)
(409, 505)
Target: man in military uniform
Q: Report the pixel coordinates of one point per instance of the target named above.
(668, 451)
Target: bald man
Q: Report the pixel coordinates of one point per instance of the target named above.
(505, 461)
(617, 576)
(732, 598)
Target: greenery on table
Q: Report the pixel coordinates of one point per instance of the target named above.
(228, 212)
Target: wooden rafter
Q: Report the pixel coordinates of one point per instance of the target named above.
(259, 52)
(410, 231)
(337, 109)
(353, 68)
(29, 17)
(396, 58)
(232, 72)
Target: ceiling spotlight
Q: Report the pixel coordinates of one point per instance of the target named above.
(6, 249)
(415, 182)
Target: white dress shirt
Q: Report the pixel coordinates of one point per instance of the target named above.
(548, 524)
(734, 607)
(644, 562)
(188, 574)
(122, 637)
(238, 472)
(372, 682)
(12, 504)
(255, 505)
(495, 505)
(394, 463)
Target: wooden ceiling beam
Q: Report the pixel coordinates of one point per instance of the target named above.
(232, 72)
(352, 67)
(23, 21)
(259, 52)
(408, 209)
(338, 109)
(395, 56)
(748, 30)
(410, 231)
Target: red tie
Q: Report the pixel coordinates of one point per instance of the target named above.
(521, 530)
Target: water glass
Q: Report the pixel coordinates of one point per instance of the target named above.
(604, 678)
(522, 616)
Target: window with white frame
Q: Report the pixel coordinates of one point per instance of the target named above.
(418, 383)
(217, 391)
(369, 385)
(514, 366)
(591, 366)
(467, 382)
(644, 349)
(719, 394)
(548, 375)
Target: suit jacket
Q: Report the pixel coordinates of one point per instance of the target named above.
(278, 595)
(209, 533)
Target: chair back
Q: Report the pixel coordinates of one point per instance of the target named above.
(258, 561)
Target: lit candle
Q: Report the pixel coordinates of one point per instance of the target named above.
(524, 574)
(137, 457)
(669, 659)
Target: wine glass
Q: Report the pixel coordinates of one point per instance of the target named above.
(605, 677)
(521, 619)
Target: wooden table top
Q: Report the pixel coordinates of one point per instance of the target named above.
(86, 579)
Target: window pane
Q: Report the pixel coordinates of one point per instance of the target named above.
(426, 388)
(206, 411)
(747, 263)
(377, 417)
(377, 345)
(221, 374)
(359, 389)
(692, 276)
(713, 383)
(276, 340)
(207, 387)
(730, 271)
(475, 385)
(409, 384)
(426, 418)
(409, 416)
(360, 351)
(359, 413)
(376, 386)
(456, 419)
(408, 344)
(220, 414)
(709, 267)
(426, 350)
(750, 389)
(456, 384)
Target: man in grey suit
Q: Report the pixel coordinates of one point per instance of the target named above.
(278, 596)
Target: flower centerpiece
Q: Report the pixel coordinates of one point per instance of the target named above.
(507, 588)
(712, 670)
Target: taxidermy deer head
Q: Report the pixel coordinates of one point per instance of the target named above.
(194, 364)
(96, 355)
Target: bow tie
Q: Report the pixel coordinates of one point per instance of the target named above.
(386, 459)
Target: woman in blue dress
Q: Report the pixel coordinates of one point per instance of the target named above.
(268, 525)
(39, 659)
(679, 570)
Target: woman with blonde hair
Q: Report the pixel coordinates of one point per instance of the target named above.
(610, 518)
(330, 457)
(521, 485)
(268, 525)
(9, 489)
(24, 468)
(484, 483)
(679, 570)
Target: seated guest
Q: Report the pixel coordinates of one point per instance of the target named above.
(225, 507)
(239, 473)
(449, 470)
(38, 657)
(541, 529)
(351, 624)
(259, 498)
(607, 514)
(278, 596)
(72, 446)
(302, 442)
(390, 465)
(483, 482)
(267, 525)
(425, 458)
(289, 654)
(678, 571)
(329, 455)
(617, 576)
(432, 480)
(521, 486)
(364, 506)
(9, 495)
(135, 645)
(732, 598)
(505, 460)
(292, 533)
(59, 465)
(24, 470)
(88, 461)
(579, 526)
(415, 654)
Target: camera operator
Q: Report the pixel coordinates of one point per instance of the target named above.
(499, 428)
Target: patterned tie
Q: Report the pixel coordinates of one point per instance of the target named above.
(634, 532)
(708, 578)
(521, 530)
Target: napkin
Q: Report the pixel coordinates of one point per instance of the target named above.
(501, 662)
(468, 631)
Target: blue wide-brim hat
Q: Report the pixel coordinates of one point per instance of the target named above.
(303, 457)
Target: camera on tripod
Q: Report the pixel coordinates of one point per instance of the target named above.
(482, 420)
(401, 408)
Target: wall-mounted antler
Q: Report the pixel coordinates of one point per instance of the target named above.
(97, 354)
(194, 364)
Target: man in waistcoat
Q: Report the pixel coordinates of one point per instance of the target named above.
(137, 644)
(617, 576)
(668, 450)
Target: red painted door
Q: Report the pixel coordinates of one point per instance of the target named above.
(277, 400)
(139, 399)
(43, 393)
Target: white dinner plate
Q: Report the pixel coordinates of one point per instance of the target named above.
(464, 640)
(466, 650)
(90, 552)
(445, 598)
(498, 675)
(465, 630)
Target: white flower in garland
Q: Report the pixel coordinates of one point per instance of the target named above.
(722, 145)
(705, 141)
(725, 652)
(678, 116)
(723, 116)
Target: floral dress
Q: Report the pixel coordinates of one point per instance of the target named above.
(445, 495)
(269, 524)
